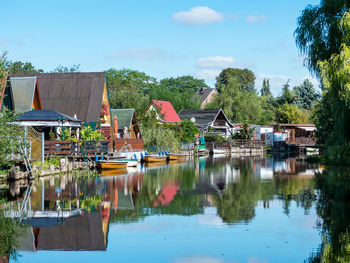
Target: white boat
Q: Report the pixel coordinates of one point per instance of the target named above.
(130, 162)
(218, 151)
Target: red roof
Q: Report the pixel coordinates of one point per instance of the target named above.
(166, 110)
(167, 195)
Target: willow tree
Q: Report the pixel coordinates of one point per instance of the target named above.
(334, 109)
(318, 35)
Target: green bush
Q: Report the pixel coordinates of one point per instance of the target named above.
(214, 138)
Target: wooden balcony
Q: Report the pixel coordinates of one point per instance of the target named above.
(302, 141)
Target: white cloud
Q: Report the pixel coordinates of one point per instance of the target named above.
(208, 74)
(210, 67)
(216, 62)
(142, 54)
(200, 15)
(256, 19)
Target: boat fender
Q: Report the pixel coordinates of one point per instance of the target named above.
(102, 158)
(135, 156)
(159, 154)
(96, 158)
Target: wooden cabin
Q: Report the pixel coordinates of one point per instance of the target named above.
(209, 121)
(299, 134)
(164, 111)
(21, 94)
(82, 95)
(129, 136)
(126, 120)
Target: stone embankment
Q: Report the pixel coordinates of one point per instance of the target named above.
(65, 166)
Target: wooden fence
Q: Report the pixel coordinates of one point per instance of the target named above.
(124, 144)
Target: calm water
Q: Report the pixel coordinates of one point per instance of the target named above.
(209, 210)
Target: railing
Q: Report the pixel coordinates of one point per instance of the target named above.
(245, 142)
(94, 147)
(218, 145)
(58, 147)
(75, 148)
(305, 141)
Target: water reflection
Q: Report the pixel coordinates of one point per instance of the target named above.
(75, 213)
(333, 207)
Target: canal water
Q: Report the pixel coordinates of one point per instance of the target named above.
(251, 210)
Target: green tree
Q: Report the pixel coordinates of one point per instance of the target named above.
(184, 84)
(334, 107)
(245, 133)
(288, 113)
(179, 100)
(188, 131)
(245, 78)
(9, 133)
(318, 35)
(129, 89)
(268, 114)
(63, 69)
(265, 90)
(239, 105)
(287, 96)
(305, 95)
(16, 66)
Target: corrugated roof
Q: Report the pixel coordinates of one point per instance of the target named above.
(72, 93)
(202, 117)
(83, 232)
(22, 92)
(167, 110)
(124, 117)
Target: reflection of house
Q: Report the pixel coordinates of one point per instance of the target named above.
(205, 96)
(83, 95)
(83, 232)
(21, 94)
(210, 121)
(164, 111)
(126, 119)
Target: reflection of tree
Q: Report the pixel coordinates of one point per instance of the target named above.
(9, 230)
(333, 206)
(238, 201)
(292, 188)
(146, 203)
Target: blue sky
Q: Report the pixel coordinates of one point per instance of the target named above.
(161, 38)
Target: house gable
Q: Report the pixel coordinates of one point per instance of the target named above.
(80, 94)
(21, 94)
(165, 111)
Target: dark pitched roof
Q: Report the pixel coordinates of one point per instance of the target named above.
(202, 117)
(72, 93)
(45, 115)
(83, 232)
(124, 117)
(203, 94)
